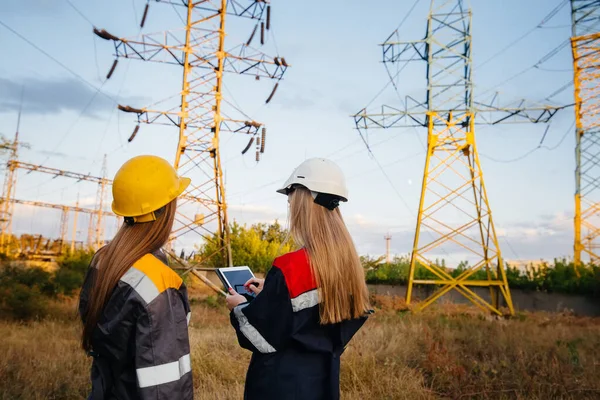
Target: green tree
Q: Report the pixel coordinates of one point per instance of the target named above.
(255, 246)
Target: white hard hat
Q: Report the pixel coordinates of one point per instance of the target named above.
(318, 175)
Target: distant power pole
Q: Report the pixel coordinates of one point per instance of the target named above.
(100, 203)
(388, 240)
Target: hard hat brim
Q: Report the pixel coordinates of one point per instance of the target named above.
(286, 189)
(184, 182)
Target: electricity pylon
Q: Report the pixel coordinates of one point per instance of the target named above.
(100, 202)
(64, 215)
(10, 183)
(454, 212)
(8, 195)
(200, 50)
(585, 45)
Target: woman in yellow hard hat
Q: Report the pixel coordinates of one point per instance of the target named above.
(134, 308)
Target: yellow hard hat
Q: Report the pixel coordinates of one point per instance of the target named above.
(143, 185)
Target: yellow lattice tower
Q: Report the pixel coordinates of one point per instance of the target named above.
(453, 190)
(200, 117)
(454, 213)
(585, 45)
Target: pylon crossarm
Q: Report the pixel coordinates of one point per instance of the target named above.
(57, 172)
(147, 116)
(253, 10)
(485, 115)
(59, 207)
(151, 47)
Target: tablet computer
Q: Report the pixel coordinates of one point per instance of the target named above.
(235, 277)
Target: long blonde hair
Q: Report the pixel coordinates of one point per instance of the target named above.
(333, 258)
(130, 244)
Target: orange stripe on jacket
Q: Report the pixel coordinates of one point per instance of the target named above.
(161, 275)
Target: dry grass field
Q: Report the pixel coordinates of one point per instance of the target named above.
(448, 352)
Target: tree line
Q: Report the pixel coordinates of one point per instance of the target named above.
(25, 292)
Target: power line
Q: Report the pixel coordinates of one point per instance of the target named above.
(68, 131)
(510, 246)
(546, 19)
(536, 65)
(75, 74)
(406, 16)
(400, 69)
(560, 90)
(538, 147)
(79, 12)
(399, 160)
(134, 11)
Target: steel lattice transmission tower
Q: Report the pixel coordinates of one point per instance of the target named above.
(454, 212)
(199, 48)
(10, 183)
(585, 44)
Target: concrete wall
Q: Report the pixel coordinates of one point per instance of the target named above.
(522, 300)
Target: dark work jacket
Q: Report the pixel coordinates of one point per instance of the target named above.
(140, 346)
(293, 356)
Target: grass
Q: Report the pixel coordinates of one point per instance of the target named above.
(447, 352)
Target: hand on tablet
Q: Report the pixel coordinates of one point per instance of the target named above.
(233, 299)
(255, 285)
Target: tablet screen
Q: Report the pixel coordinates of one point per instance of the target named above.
(236, 277)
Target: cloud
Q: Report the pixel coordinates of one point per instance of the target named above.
(298, 100)
(59, 154)
(252, 213)
(37, 7)
(56, 96)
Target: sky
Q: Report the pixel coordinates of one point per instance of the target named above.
(335, 71)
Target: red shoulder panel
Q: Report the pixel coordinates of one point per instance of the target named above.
(297, 272)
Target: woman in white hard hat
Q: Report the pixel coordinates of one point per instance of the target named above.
(312, 301)
(134, 308)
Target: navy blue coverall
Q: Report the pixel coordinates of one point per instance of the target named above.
(293, 355)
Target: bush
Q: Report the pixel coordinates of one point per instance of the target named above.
(24, 292)
(71, 272)
(23, 302)
(255, 246)
(559, 277)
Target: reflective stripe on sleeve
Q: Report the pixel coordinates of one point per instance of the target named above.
(141, 284)
(251, 333)
(164, 373)
(188, 317)
(305, 300)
